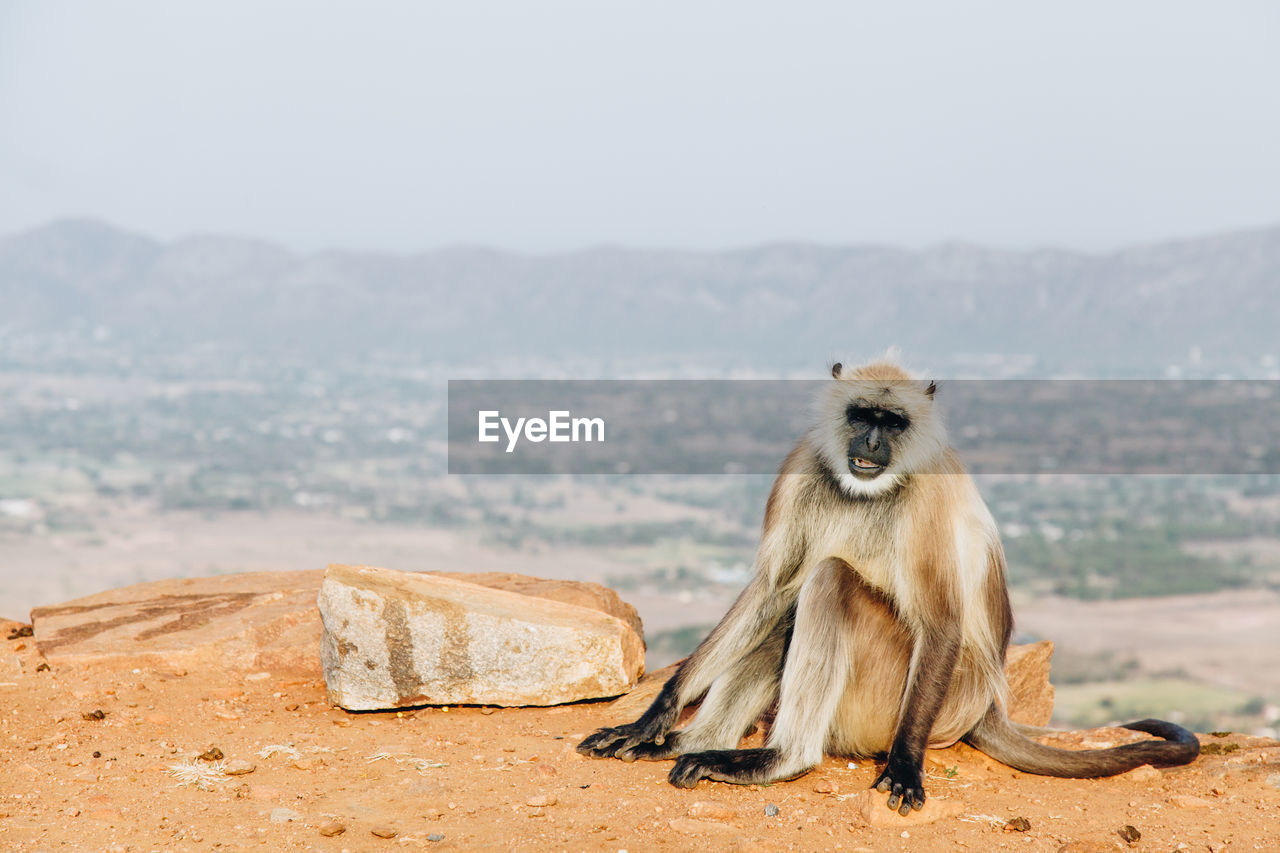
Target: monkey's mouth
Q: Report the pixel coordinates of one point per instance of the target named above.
(864, 464)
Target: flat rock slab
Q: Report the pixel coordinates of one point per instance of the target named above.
(260, 621)
(396, 639)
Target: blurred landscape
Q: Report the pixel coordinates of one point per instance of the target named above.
(218, 404)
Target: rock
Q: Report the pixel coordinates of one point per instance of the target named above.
(283, 815)
(384, 832)
(689, 826)
(1026, 668)
(629, 707)
(541, 800)
(705, 810)
(255, 622)
(1017, 824)
(211, 754)
(1186, 801)
(1145, 773)
(826, 786)
(329, 830)
(874, 808)
(393, 639)
(238, 767)
(1129, 834)
(435, 836)
(238, 623)
(771, 810)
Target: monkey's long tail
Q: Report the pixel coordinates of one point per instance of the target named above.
(999, 738)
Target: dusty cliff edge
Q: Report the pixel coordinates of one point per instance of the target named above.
(215, 732)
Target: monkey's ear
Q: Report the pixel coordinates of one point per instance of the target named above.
(835, 370)
(932, 389)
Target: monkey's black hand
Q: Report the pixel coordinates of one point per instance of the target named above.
(904, 780)
(613, 741)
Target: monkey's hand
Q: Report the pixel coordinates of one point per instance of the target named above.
(903, 778)
(614, 741)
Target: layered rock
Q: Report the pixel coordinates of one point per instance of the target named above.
(395, 639)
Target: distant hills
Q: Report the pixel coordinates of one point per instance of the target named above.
(773, 305)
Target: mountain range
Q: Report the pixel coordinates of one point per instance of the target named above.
(782, 304)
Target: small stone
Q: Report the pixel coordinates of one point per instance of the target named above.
(20, 631)
(291, 707)
(1145, 773)
(384, 832)
(1017, 824)
(211, 754)
(1186, 801)
(238, 767)
(541, 800)
(487, 711)
(283, 815)
(1130, 834)
(329, 830)
(771, 810)
(875, 811)
(826, 786)
(44, 667)
(94, 715)
(706, 810)
(435, 836)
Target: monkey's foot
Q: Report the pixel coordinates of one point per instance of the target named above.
(651, 751)
(737, 766)
(613, 741)
(904, 780)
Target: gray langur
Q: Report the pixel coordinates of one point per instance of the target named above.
(876, 622)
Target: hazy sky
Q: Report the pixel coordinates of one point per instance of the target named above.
(552, 125)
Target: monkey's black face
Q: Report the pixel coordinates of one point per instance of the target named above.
(873, 431)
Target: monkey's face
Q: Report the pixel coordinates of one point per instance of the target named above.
(875, 426)
(873, 432)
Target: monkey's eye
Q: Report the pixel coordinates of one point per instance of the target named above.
(870, 416)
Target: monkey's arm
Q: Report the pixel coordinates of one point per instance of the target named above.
(933, 662)
(757, 613)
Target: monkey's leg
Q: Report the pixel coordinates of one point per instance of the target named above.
(752, 618)
(735, 701)
(933, 662)
(813, 680)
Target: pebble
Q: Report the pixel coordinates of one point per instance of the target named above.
(283, 815)
(1145, 773)
(875, 810)
(771, 810)
(384, 832)
(211, 754)
(1186, 801)
(825, 787)
(541, 800)
(1018, 824)
(706, 810)
(329, 830)
(435, 836)
(238, 767)
(1130, 834)
(94, 715)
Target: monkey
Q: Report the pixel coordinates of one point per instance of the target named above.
(876, 621)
